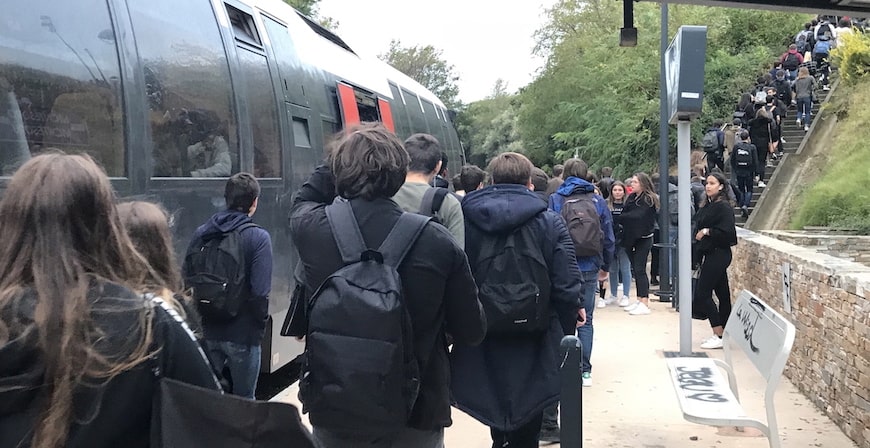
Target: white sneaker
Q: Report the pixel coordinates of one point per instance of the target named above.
(610, 300)
(761, 184)
(806, 128)
(624, 302)
(713, 343)
(640, 310)
(601, 303)
(798, 122)
(587, 379)
(632, 306)
(826, 88)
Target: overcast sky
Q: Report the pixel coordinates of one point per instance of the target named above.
(502, 51)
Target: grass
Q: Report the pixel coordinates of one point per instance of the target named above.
(841, 196)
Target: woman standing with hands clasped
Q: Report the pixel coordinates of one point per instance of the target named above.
(713, 240)
(638, 221)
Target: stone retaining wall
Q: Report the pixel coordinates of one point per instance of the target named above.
(849, 247)
(830, 306)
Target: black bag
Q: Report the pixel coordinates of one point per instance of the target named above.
(513, 283)
(584, 225)
(183, 415)
(710, 142)
(359, 372)
(742, 156)
(432, 201)
(214, 270)
(791, 62)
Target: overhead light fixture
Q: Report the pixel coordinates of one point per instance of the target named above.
(628, 34)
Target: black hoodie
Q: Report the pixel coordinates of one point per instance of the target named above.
(116, 413)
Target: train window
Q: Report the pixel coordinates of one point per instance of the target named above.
(434, 122)
(188, 89)
(415, 112)
(262, 112)
(287, 60)
(243, 27)
(330, 134)
(367, 107)
(400, 118)
(301, 137)
(60, 84)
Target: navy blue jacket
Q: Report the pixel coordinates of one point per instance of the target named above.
(248, 326)
(505, 381)
(574, 185)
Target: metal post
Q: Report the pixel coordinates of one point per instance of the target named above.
(664, 249)
(684, 235)
(571, 397)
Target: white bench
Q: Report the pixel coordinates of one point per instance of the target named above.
(707, 397)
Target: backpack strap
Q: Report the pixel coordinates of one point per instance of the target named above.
(432, 200)
(402, 237)
(345, 230)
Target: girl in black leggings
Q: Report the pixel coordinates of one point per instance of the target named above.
(716, 234)
(638, 220)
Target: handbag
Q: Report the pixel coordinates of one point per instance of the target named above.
(188, 416)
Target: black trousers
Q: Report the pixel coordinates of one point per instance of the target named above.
(714, 278)
(638, 254)
(525, 436)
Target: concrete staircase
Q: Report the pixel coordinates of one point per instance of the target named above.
(793, 136)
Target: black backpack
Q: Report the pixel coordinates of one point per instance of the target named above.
(513, 281)
(214, 270)
(432, 201)
(742, 156)
(791, 62)
(710, 142)
(359, 372)
(584, 225)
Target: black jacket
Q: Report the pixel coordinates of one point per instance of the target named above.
(440, 292)
(759, 131)
(249, 325)
(114, 414)
(638, 220)
(717, 216)
(506, 381)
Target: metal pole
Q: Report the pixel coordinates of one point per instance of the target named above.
(571, 397)
(684, 236)
(664, 163)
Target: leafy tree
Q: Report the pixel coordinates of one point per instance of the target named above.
(426, 65)
(601, 102)
(309, 8)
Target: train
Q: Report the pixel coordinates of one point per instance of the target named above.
(172, 97)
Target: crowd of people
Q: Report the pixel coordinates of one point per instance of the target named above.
(411, 297)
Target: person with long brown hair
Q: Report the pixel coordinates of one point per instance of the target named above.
(638, 223)
(713, 240)
(79, 347)
(147, 224)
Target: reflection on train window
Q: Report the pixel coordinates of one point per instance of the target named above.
(330, 135)
(60, 84)
(367, 106)
(263, 113)
(190, 109)
(415, 111)
(301, 138)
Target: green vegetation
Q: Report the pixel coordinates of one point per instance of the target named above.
(601, 101)
(841, 196)
(425, 65)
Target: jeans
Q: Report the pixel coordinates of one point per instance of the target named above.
(243, 362)
(744, 184)
(620, 265)
(405, 438)
(805, 110)
(525, 436)
(589, 281)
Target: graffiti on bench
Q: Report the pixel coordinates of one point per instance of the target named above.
(748, 320)
(699, 381)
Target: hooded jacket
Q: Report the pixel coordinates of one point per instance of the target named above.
(116, 413)
(572, 186)
(508, 380)
(248, 326)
